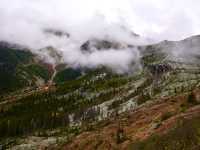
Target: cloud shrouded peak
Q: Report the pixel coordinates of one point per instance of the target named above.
(67, 25)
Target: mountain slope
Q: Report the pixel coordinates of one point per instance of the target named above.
(100, 96)
(18, 68)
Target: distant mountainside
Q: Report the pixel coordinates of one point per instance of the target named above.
(18, 68)
(136, 110)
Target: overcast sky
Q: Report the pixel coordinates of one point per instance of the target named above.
(24, 21)
(159, 19)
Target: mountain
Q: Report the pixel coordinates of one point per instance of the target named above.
(57, 33)
(14, 69)
(156, 107)
(98, 44)
(19, 69)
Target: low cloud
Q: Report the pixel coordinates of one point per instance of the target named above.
(120, 61)
(65, 25)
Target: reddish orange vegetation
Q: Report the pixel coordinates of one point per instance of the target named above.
(137, 125)
(49, 66)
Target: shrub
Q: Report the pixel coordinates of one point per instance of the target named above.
(120, 136)
(143, 98)
(166, 116)
(192, 99)
(183, 107)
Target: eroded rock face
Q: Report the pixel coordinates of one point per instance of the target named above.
(159, 69)
(53, 55)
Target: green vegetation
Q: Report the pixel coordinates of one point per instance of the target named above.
(90, 82)
(152, 56)
(192, 99)
(18, 69)
(183, 107)
(166, 116)
(77, 93)
(14, 56)
(67, 74)
(120, 136)
(50, 110)
(143, 98)
(10, 59)
(37, 70)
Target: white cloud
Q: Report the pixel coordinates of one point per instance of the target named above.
(22, 21)
(160, 19)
